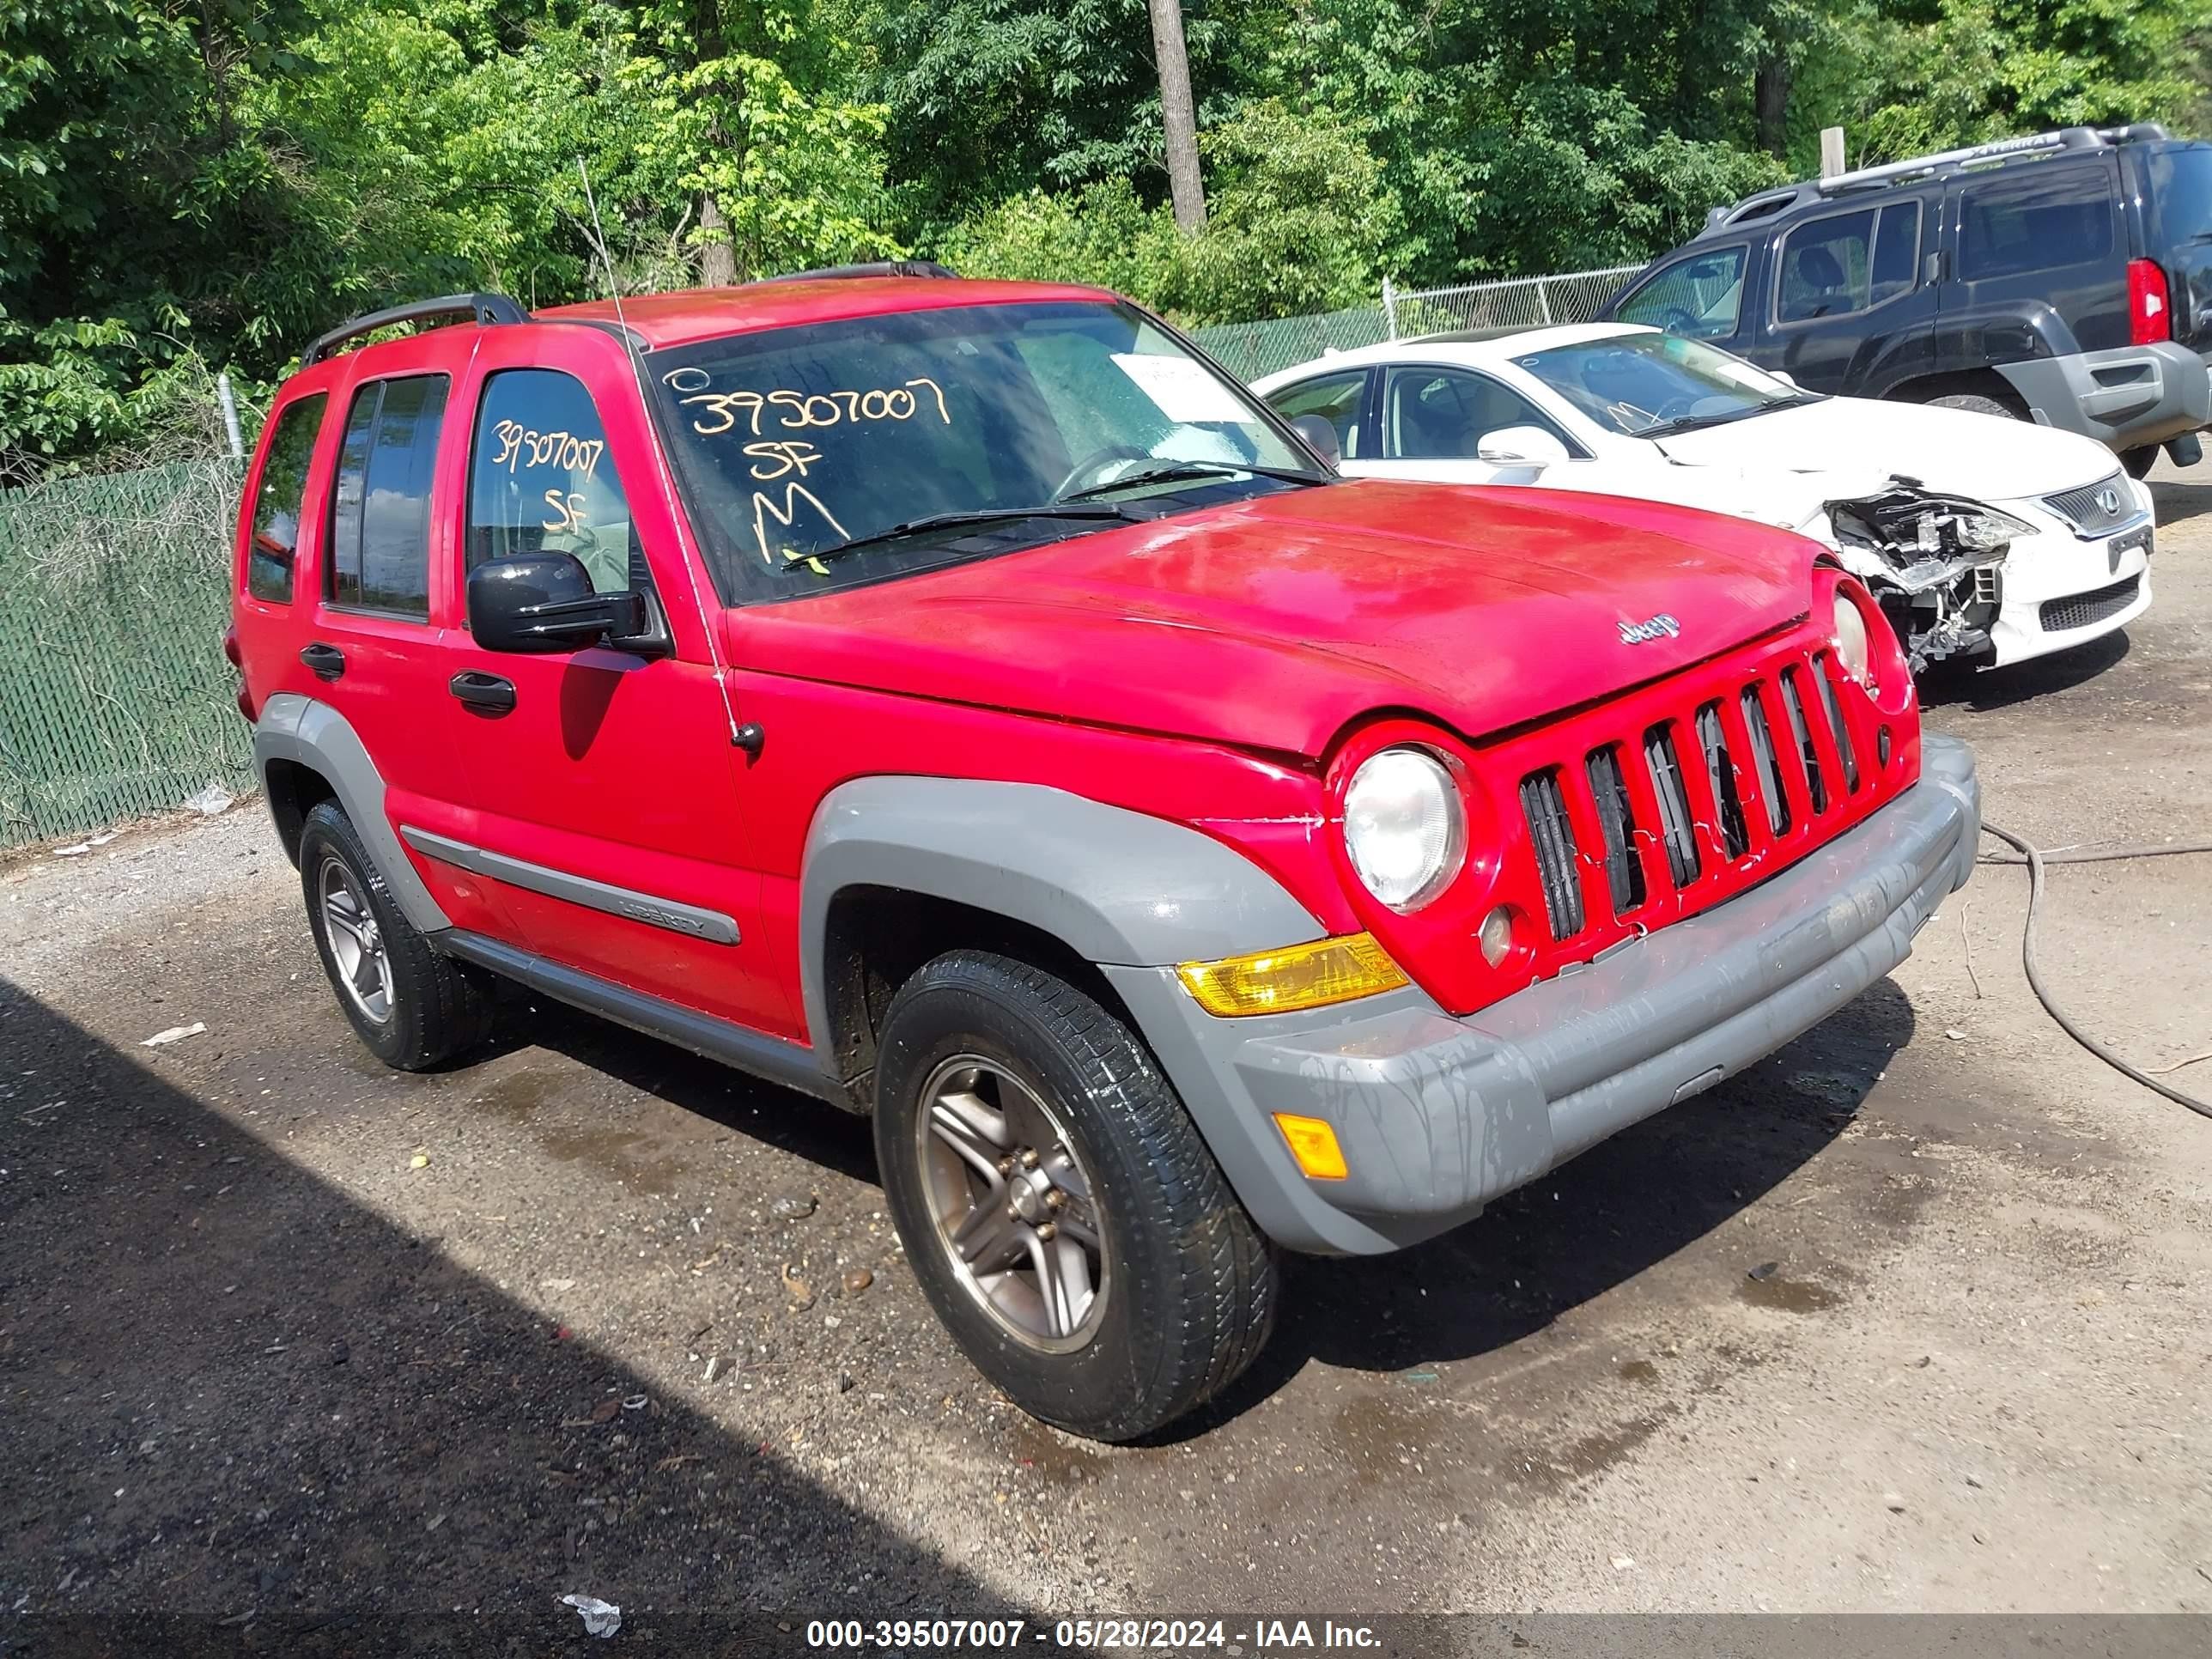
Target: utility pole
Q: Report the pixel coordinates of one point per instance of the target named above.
(1177, 115)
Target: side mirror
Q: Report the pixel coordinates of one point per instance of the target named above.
(1530, 449)
(1784, 376)
(543, 602)
(1319, 436)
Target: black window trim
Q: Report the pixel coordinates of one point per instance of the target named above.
(1683, 256)
(430, 506)
(1577, 451)
(1775, 321)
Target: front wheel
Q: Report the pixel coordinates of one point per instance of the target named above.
(1060, 1209)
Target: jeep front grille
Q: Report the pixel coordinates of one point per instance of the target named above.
(1645, 829)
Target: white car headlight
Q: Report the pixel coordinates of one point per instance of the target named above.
(1404, 826)
(1851, 648)
(1984, 530)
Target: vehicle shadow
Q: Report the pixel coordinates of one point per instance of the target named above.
(1598, 1222)
(247, 1412)
(1982, 690)
(2177, 502)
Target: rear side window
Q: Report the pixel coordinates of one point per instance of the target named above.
(2046, 218)
(1335, 398)
(2181, 192)
(1701, 296)
(541, 481)
(380, 509)
(1848, 263)
(277, 502)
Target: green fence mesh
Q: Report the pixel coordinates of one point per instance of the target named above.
(114, 696)
(1251, 350)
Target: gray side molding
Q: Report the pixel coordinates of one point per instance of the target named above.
(1113, 885)
(315, 735)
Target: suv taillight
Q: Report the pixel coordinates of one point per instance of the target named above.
(2149, 320)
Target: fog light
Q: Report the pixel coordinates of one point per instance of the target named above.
(1497, 935)
(1313, 1143)
(1310, 976)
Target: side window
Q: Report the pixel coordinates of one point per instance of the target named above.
(380, 510)
(1896, 250)
(1826, 268)
(1445, 414)
(1335, 398)
(1701, 296)
(278, 502)
(540, 480)
(2035, 219)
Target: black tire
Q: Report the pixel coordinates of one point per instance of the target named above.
(2139, 462)
(435, 1008)
(1189, 1285)
(1976, 403)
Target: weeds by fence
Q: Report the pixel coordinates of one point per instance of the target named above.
(114, 696)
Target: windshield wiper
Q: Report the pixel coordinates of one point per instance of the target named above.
(899, 532)
(1175, 471)
(1698, 422)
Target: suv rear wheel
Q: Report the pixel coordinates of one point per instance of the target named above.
(1979, 404)
(1063, 1217)
(411, 1006)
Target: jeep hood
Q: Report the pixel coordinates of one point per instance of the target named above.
(1842, 448)
(1274, 622)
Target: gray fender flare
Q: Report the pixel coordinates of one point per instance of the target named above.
(315, 735)
(1120, 889)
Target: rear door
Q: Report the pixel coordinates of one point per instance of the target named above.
(1849, 311)
(2178, 182)
(595, 792)
(2036, 234)
(1340, 398)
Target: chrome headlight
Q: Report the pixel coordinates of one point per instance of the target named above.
(1404, 826)
(1985, 529)
(1851, 648)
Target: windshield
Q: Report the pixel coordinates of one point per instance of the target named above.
(1649, 385)
(821, 456)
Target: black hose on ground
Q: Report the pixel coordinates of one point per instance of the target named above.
(2035, 859)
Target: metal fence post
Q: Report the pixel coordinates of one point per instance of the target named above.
(230, 415)
(1543, 299)
(1391, 307)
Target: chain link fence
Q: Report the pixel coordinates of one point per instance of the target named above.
(1516, 302)
(114, 696)
(1248, 350)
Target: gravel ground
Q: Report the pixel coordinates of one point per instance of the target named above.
(289, 1340)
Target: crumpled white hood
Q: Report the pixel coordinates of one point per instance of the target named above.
(1793, 460)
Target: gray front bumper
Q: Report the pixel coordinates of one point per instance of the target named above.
(2126, 397)
(1437, 1115)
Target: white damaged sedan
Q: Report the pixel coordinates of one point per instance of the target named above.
(1986, 540)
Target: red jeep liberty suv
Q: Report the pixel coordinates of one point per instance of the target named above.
(961, 702)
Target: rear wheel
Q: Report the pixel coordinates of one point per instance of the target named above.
(1978, 404)
(412, 1007)
(1058, 1206)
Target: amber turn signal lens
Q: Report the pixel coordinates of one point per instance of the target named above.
(1310, 976)
(1313, 1143)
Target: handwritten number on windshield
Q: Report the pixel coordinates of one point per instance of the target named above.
(797, 410)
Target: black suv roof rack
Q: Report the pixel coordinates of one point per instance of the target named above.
(1768, 203)
(483, 308)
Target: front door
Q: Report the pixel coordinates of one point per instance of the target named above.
(597, 790)
(1433, 422)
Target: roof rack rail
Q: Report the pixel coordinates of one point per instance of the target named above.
(1767, 203)
(874, 268)
(485, 308)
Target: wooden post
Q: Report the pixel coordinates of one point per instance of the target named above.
(1178, 116)
(1831, 151)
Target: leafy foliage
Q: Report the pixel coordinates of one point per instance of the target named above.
(185, 185)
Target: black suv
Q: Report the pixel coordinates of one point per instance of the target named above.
(2065, 278)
